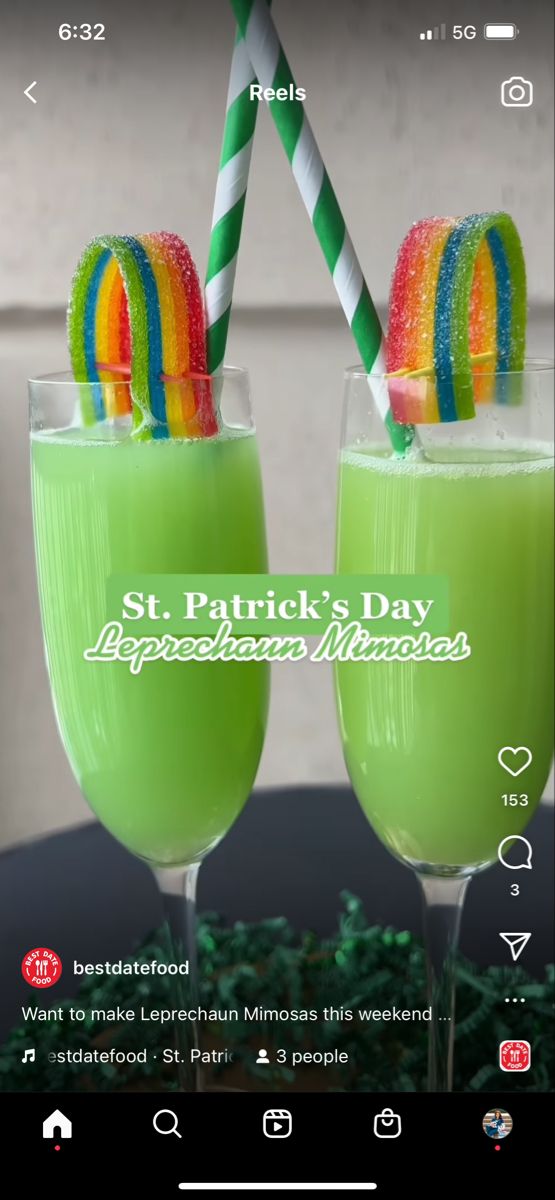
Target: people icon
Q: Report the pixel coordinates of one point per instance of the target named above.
(263, 1060)
(497, 1124)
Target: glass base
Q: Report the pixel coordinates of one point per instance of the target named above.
(446, 871)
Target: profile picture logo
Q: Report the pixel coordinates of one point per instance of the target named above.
(497, 1124)
(514, 1056)
(41, 967)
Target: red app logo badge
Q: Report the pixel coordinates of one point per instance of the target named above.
(514, 1056)
(41, 967)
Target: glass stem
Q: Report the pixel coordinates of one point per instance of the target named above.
(443, 905)
(178, 887)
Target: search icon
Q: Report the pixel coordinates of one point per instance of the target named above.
(173, 1126)
(506, 844)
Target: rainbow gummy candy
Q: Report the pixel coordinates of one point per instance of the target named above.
(136, 312)
(458, 291)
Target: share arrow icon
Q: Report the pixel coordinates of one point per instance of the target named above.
(516, 942)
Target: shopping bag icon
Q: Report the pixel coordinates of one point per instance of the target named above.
(387, 1124)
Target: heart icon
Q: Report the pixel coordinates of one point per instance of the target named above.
(515, 755)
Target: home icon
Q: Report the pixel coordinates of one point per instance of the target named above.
(56, 1125)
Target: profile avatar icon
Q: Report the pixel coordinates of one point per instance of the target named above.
(497, 1124)
(263, 1060)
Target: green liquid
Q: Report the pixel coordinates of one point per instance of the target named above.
(421, 739)
(166, 758)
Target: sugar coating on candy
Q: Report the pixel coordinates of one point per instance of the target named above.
(185, 343)
(412, 298)
(136, 311)
(175, 251)
(93, 324)
(410, 341)
(458, 290)
(459, 265)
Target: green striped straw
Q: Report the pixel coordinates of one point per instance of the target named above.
(273, 71)
(229, 203)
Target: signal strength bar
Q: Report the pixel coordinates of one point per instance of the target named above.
(437, 34)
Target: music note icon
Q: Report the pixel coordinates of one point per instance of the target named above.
(29, 1055)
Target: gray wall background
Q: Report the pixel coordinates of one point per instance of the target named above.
(129, 131)
(125, 136)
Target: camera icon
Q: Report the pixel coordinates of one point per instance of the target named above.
(517, 92)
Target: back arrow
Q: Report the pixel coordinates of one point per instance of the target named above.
(28, 91)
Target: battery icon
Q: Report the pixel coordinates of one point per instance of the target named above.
(500, 33)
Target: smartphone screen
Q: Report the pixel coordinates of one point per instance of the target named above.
(277, 382)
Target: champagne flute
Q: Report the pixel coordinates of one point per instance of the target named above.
(167, 758)
(472, 502)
